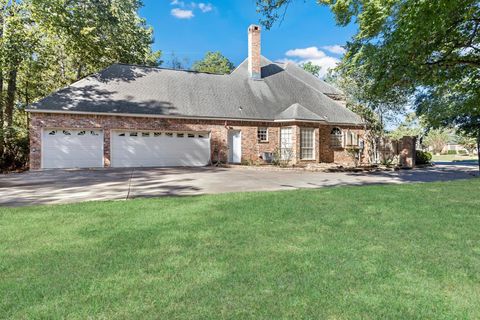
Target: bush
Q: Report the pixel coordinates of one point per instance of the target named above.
(462, 152)
(452, 152)
(422, 157)
(15, 156)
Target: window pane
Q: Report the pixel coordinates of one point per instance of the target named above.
(286, 143)
(262, 134)
(307, 143)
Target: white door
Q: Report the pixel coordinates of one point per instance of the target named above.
(63, 148)
(286, 144)
(160, 149)
(234, 146)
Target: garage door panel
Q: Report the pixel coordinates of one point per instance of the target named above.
(72, 149)
(160, 151)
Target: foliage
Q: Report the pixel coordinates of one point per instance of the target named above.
(214, 62)
(451, 151)
(46, 45)
(437, 139)
(404, 51)
(422, 157)
(468, 143)
(354, 155)
(282, 157)
(411, 126)
(311, 68)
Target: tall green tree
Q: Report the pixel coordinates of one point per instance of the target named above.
(311, 68)
(406, 49)
(45, 45)
(214, 62)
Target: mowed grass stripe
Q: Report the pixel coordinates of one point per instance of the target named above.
(396, 251)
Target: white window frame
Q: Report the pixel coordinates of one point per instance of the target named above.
(336, 140)
(303, 147)
(286, 146)
(258, 134)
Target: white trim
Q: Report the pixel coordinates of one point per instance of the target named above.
(188, 117)
(313, 143)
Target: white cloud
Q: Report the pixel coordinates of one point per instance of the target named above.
(205, 7)
(185, 10)
(336, 49)
(306, 53)
(313, 55)
(177, 3)
(182, 14)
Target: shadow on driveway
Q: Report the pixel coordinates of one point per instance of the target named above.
(67, 186)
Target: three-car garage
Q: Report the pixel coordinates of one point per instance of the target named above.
(78, 148)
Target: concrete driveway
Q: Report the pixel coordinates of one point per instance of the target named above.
(65, 186)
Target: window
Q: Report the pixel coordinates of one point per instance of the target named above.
(262, 134)
(67, 133)
(157, 134)
(307, 144)
(286, 144)
(93, 133)
(145, 134)
(169, 134)
(352, 139)
(121, 134)
(180, 135)
(191, 135)
(52, 133)
(201, 136)
(133, 134)
(336, 138)
(81, 133)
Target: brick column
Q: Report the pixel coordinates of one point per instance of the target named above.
(407, 153)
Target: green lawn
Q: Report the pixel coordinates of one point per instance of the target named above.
(454, 157)
(378, 252)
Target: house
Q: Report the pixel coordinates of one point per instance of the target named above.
(135, 116)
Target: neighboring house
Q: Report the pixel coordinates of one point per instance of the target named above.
(454, 146)
(132, 116)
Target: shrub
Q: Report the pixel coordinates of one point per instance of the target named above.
(462, 152)
(452, 152)
(422, 157)
(15, 156)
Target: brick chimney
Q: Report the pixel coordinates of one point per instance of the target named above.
(254, 52)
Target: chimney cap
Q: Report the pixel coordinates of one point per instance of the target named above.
(254, 27)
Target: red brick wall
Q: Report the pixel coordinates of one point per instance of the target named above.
(251, 148)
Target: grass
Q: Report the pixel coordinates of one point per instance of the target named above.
(378, 252)
(454, 158)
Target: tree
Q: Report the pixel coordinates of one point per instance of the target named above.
(45, 45)
(411, 126)
(214, 62)
(437, 139)
(424, 49)
(468, 143)
(311, 68)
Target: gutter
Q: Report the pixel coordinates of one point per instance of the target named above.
(186, 117)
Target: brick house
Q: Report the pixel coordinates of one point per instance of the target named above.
(134, 116)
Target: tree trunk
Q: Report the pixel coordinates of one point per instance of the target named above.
(1, 93)
(478, 149)
(1, 114)
(10, 101)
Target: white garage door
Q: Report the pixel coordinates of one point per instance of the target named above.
(160, 149)
(72, 148)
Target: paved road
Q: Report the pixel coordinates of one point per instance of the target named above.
(65, 186)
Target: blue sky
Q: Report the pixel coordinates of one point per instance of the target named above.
(189, 29)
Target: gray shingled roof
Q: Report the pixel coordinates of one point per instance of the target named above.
(127, 89)
(298, 112)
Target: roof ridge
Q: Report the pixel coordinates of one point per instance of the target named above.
(165, 68)
(288, 63)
